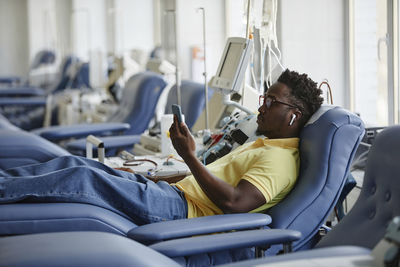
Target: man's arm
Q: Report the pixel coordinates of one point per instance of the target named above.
(242, 198)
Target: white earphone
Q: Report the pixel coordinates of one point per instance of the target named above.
(292, 119)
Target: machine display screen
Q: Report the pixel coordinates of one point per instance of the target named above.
(231, 61)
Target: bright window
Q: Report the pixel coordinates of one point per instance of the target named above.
(370, 61)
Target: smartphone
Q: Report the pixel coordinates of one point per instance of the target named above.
(176, 110)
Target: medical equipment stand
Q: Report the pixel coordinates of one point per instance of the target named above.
(205, 66)
(178, 80)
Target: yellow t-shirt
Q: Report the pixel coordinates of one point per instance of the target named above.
(271, 165)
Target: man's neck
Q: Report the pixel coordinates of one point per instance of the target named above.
(284, 135)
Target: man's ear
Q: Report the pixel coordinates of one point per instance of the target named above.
(298, 114)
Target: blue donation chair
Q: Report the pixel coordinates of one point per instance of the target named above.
(137, 108)
(78, 249)
(71, 70)
(193, 100)
(378, 203)
(139, 101)
(193, 103)
(141, 89)
(43, 57)
(327, 146)
(18, 148)
(29, 112)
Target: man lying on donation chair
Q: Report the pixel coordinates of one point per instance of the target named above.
(252, 178)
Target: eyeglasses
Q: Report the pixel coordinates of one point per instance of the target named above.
(268, 101)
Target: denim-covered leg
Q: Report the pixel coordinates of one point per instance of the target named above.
(56, 165)
(139, 198)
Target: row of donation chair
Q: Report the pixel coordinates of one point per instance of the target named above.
(327, 146)
(43, 58)
(133, 117)
(30, 107)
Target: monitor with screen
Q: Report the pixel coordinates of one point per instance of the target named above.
(232, 66)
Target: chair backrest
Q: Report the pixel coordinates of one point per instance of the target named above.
(193, 100)
(18, 148)
(327, 145)
(32, 117)
(62, 80)
(139, 101)
(81, 78)
(43, 57)
(379, 199)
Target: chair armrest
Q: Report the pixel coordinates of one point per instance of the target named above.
(10, 79)
(212, 243)
(22, 101)
(151, 233)
(78, 249)
(21, 91)
(29, 218)
(315, 254)
(110, 142)
(56, 133)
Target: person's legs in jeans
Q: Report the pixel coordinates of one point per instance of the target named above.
(56, 165)
(139, 198)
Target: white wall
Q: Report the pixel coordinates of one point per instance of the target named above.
(63, 26)
(313, 41)
(14, 44)
(190, 32)
(235, 22)
(89, 27)
(311, 32)
(42, 26)
(134, 25)
(66, 26)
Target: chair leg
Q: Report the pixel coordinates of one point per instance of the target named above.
(287, 248)
(259, 252)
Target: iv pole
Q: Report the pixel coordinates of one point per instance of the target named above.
(247, 36)
(205, 64)
(178, 81)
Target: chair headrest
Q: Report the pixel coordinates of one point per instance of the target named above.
(43, 57)
(324, 108)
(139, 101)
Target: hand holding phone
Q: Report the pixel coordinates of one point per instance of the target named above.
(176, 110)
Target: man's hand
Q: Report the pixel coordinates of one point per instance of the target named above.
(181, 138)
(242, 198)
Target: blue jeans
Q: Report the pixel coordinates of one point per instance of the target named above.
(76, 179)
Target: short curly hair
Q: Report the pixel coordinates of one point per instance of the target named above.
(304, 92)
